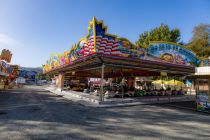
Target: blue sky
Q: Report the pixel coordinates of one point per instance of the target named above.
(33, 29)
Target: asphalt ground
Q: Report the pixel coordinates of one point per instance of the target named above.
(189, 105)
(31, 113)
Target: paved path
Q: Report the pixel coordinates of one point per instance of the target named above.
(32, 113)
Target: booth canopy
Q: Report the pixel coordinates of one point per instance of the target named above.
(120, 56)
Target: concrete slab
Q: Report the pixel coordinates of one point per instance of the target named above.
(93, 101)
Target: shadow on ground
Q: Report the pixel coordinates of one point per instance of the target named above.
(33, 113)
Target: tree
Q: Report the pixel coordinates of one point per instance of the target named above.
(161, 33)
(200, 41)
(42, 76)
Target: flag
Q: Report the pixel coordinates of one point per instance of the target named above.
(107, 45)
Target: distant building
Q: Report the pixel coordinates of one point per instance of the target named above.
(28, 75)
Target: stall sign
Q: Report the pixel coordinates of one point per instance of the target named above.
(202, 103)
(172, 53)
(205, 62)
(202, 70)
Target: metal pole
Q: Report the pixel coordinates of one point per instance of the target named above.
(122, 91)
(102, 83)
(208, 89)
(197, 87)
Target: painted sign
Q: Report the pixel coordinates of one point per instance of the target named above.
(8, 70)
(202, 103)
(172, 53)
(3, 68)
(6, 55)
(205, 63)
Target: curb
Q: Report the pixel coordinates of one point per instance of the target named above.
(186, 108)
(88, 102)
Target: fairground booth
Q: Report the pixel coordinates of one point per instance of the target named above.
(202, 80)
(8, 71)
(107, 66)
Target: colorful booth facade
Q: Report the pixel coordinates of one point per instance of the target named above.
(98, 41)
(8, 72)
(103, 55)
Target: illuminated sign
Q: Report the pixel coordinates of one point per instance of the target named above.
(202, 71)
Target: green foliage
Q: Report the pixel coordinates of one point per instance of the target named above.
(161, 33)
(200, 41)
(42, 76)
(138, 93)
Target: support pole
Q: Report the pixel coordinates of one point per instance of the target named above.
(61, 81)
(102, 83)
(209, 90)
(196, 87)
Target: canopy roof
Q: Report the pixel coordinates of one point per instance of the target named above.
(120, 56)
(115, 66)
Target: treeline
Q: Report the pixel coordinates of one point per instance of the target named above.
(36, 69)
